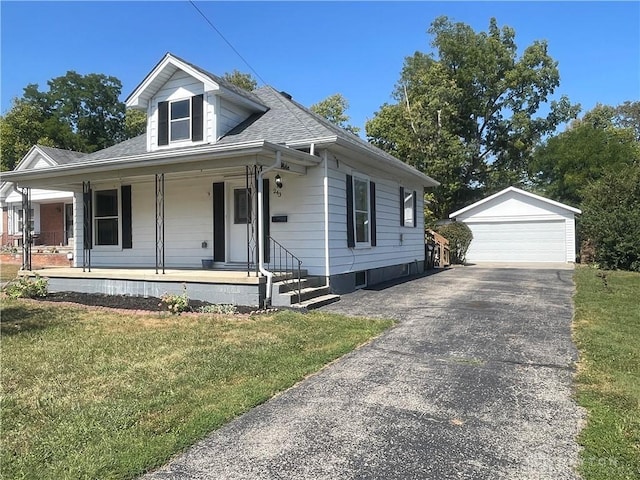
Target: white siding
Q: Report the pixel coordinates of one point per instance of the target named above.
(180, 86)
(390, 248)
(188, 222)
(229, 116)
(302, 201)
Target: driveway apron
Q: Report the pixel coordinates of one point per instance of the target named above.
(473, 382)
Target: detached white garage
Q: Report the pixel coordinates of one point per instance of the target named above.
(515, 226)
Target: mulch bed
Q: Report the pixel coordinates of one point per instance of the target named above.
(123, 302)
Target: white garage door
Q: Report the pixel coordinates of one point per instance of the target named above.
(542, 241)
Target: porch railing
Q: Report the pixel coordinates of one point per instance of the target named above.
(281, 261)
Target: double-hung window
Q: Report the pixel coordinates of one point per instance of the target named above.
(180, 120)
(19, 216)
(361, 212)
(106, 218)
(408, 206)
(361, 204)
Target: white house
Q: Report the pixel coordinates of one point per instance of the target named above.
(517, 226)
(238, 180)
(50, 218)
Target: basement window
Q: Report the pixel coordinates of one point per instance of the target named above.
(361, 279)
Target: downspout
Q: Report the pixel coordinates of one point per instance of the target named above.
(264, 271)
(325, 192)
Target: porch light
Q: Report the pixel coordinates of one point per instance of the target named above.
(278, 181)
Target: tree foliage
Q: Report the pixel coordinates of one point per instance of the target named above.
(611, 217)
(77, 112)
(564, 165)
(241, 80)
(467, 115)
(334, 108)
(460, 236)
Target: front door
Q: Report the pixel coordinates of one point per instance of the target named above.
(240, 215)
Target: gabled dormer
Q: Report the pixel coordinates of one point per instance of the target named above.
(187, 106)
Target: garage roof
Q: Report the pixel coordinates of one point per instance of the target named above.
(515, 190)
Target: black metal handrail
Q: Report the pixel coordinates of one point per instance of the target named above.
(282, 260)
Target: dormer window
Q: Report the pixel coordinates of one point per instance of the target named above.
(180, 125)
(180, 120)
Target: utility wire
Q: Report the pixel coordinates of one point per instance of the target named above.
(285, 104)
(227, 41)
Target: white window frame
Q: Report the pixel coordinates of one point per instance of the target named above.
(364, 179)
(118, 217)
(408, 196)
(182, 119)
(18, 219)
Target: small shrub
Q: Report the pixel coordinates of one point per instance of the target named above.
(459, 236)
(27, 287)
(176, 304)
(218, 309)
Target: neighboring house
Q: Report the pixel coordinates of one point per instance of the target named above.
(50, 216)
(236, 180)
(517, 226)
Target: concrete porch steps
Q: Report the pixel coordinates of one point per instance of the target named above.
(313, 293)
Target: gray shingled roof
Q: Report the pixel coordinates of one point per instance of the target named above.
(62, 157)
(286, 121)
(222, 82)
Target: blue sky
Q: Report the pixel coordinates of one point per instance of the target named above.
(310, 49)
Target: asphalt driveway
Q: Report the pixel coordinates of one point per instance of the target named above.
(474, 382)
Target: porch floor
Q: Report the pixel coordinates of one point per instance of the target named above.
(234, 277)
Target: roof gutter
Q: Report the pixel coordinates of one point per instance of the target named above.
(164, 158)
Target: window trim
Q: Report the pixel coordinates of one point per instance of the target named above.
(18, 220)
(95, 218)
(367, 181)
(409, 195)
(188, 118)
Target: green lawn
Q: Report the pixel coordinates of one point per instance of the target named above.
(607, 333)
(8, 272)
(94, 394)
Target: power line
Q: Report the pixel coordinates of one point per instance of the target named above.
(287, 105)
(227, 42)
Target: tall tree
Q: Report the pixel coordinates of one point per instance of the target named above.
(565, 164)
(241, 80)
(77, 112)
(334, 108)
(466, 115)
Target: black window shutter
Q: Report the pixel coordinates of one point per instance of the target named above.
(372, 208)
(163, 123)
(218, 223)
(402, 206)
(88, 219)
(196, 118)
(127, 226)
(351, 239)
(415, 208)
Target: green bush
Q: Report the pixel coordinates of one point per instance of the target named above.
(176, 304)
(611, 218)
(27, 287)
(459, 236)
